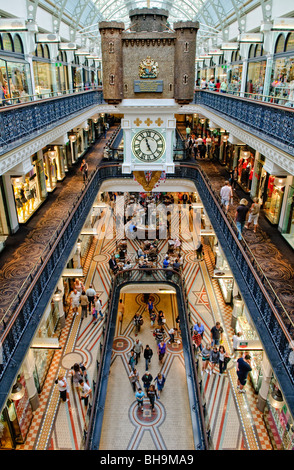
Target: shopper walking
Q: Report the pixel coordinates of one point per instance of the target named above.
(84, 304)
(151, 394)
(146, 380)
(86, 392)
(205, 357)
(75, 301)
(134, 379)
(90, 293)
(140, 395)
(160, 381)
(138, 348)
(62, 387)
(159, 335)
(226, 194)
(224, 358)
(236, 339)
(76, 375)
(240, 216)
(132, 360)
(148, 353)
(214, 359)
(161, 350)
(121, 310)
(199, 250)
(138, 322)
(254, 212)
(216, 334)
(84, 169)
(243, 369)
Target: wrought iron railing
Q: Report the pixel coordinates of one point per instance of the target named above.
(147, 276)
(273, 324)
(23, 122)
(268, 121)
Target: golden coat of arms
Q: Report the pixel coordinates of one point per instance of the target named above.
(148, 68)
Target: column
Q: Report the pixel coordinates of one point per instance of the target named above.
(13, 219)
(267, 78)
(48, 171)
(266, 378)
(253, 190)
(28, 368)
(58, 302)
(244, 78)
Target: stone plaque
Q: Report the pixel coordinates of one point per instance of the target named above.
(143, 86)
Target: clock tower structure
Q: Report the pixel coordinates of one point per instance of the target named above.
(148, 73)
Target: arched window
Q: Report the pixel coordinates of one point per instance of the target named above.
(18, 46)
(39, 51)
(111, 47)
(290, 42)
(258, 50)
(46, 52)
(280, 44)
(251, 51)
(7, 42)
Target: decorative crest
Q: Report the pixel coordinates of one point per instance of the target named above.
(148, 68)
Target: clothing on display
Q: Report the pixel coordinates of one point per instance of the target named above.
(26, 196)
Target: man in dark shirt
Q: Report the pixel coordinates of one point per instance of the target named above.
(240, 216)
(216, 334)
(243, 369)
(113, 264)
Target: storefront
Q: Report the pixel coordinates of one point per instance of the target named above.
(16, 417)
(282, 79)
(48, 329)
(61, 72)
(43, 73)
(278, 419)
(77, 75)
(15, 77)
(273, 197)
(29, 190)
(223, 275)
(245, 167)
(234, 73)
(255, 72)
(288, 223)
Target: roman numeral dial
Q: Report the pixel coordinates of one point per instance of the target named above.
(148, 145)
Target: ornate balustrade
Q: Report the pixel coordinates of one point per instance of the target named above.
(268, 121)
(147, 276)
(23, 122)
(273, 324)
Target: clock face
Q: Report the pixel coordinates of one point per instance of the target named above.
(148, 145)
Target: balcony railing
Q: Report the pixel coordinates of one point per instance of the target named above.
(147, 276)
(268, 121)
(23, 122)
(273, 324)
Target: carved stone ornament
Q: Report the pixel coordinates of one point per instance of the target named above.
(148, 185)
(148, 68)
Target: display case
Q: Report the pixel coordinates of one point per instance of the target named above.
(273, 204)
(226, 286)
(250, 343)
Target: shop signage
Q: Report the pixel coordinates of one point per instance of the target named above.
(154, 86)
(58, 64)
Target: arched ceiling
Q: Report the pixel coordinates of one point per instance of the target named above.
(213, 15)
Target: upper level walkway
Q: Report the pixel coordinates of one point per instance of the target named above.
(18, 267)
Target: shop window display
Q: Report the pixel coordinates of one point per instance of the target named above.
(250, 342)
(274, 198)
(245, 169)
(234, 75)
(16, 417)
(15, 81)
(278, 419)
(26, 195)
(43, 78)
(288, 225)
(282, 79)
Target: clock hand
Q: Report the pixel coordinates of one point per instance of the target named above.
(148, 144)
